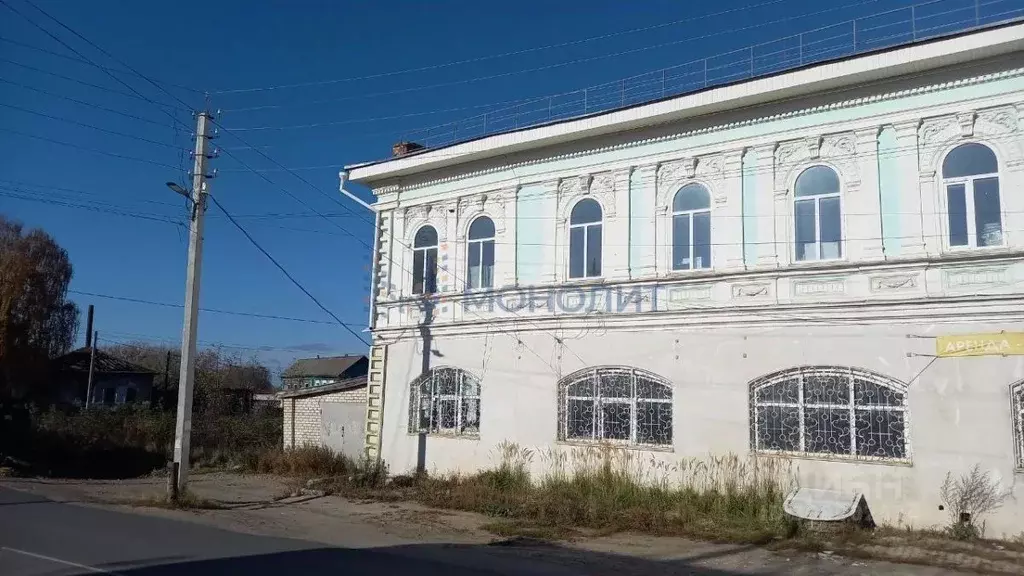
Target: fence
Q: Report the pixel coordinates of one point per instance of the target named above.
(921, 21)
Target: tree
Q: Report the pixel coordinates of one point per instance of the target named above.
(37, 322)
(216, 372)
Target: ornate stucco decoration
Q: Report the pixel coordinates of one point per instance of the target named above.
(989, 126)
(599, 186)
(893, 282)
(845, 104)
(707, 170)
(837, 150)
(750, 290)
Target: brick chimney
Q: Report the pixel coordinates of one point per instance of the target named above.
(403, 148)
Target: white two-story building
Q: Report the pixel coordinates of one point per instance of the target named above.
(824, 264)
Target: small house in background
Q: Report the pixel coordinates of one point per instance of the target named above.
(315, 372)
(324, 403)
(114, 381)
(237, 389)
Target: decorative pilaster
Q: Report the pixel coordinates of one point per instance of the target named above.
(771, 232)
(554, 235)
(505, 243)
(727, 215)
(400, 276)
(864, 212)
(616, 264)
(912, 244)
(643, 223)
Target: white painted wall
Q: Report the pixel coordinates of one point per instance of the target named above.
(711, 332)
(959, 409)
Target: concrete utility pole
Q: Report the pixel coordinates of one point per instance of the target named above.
(94, 341)
(183, 426)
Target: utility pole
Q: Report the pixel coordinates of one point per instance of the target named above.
(183, 425)
(167, 381)
(92, 356)
(92, 365)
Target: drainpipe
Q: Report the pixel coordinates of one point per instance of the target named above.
(343, 178)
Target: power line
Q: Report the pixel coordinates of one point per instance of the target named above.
(88, 63)
(361, 120)
(211, 197)
(213, 310)
(87, 149)
(90, 126)
(22, 183)
(495, 56)
(103, 69)
(242, 229)
(347, 209)
(133, 338)
(805, 58)
(113, 211)
(880, 154)
(284, 271)
(591, 58)
(82, 102)
(82, 82)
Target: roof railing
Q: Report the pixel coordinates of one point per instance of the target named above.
(925, 20)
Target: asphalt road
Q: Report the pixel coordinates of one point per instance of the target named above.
(40, 537)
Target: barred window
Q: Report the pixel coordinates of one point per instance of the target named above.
(445, 401)
(616, 404)
(830, 410)
(1017, 398)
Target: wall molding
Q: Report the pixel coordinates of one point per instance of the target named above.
(851, 103)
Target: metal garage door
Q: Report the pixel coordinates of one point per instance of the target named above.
(341, 427)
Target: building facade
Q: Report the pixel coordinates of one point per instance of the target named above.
(330, 415)
(792, 266)
(316, 372)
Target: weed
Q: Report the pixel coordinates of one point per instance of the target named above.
(609, 489)
(968, 497)
(186, 501)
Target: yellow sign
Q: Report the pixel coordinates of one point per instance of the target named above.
(985, 344)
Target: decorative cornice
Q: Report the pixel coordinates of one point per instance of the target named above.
(984, 78)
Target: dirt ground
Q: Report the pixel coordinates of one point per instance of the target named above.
(265, 505)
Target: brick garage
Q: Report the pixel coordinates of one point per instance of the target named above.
(331, 415)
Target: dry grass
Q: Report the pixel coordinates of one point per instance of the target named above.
(186, 501)
(609, 489)
(602, 490)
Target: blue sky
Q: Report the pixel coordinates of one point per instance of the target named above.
(82, 197)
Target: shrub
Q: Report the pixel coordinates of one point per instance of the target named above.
(969, 497)
(130, 440)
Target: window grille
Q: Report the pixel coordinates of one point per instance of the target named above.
(615, 404)
(828, 410)
(445, 401)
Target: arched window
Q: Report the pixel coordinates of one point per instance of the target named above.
(616, 404)
(424, 261)
(585, 239)
(1017, 400)
(445, 401)
(480, 254)
(691, 228)
(819, 226)
(829, 410)
(970, 174)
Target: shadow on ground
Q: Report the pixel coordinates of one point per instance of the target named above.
(527, 558)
